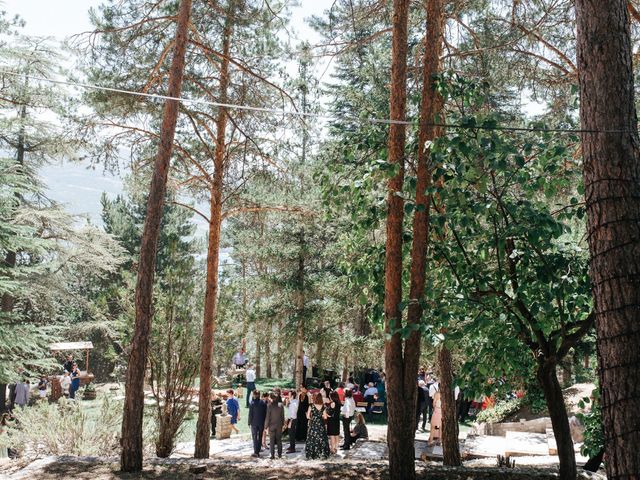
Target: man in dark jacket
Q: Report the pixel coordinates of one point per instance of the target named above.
(275, 424)
(257, 415)
(421, 402)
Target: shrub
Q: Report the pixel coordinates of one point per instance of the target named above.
(68, 428)
(500, 411)
(593, 429)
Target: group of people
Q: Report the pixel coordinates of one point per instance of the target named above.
(312, 419)
(429, 405)
(70, 379)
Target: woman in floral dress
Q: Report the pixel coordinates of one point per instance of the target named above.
(317, 445)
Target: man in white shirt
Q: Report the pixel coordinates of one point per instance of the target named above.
(435, 387)
(239, 359)
(370, 395)
(250, 376)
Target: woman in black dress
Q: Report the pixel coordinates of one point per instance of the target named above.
(333, 421)
(301, 417)
(317, 445)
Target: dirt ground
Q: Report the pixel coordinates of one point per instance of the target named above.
(98, 469)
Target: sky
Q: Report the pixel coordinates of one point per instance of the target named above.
(78, 186)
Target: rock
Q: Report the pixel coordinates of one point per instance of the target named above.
(197, 469)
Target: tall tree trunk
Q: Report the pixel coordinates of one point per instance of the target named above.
(401, 404)
(258, 354)
(131, 454)
(300, 306)
(203, 425)
(319, 358)
(450, 446)
(267, 350)
(8, 299)
(3, 397)
(546, 373)
(279, 355)
(612, 193)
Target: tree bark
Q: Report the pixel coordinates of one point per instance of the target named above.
(258, 353)
(279, 356)
(450, 446)
(297, 379)
(131, 455)
(612, 192)
(267, 350)
(546, 373)
(203, 425)
(3, 397)
(401, 404)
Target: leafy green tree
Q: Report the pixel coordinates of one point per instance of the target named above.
(513, 226)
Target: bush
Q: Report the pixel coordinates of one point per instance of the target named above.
(593, 429)
(66, 428)
(502, 410)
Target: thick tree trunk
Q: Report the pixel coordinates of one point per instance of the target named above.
(612, 193)
(267, 350)
(279, 357)
(300, 305)
(258, 353)
(3, 397)
(546, 373)
(401, 403)
(131, 455)
(450, 446)
(203, 425)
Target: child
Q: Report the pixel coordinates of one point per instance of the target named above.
(42, 387)
(233, 409)
(65, 383)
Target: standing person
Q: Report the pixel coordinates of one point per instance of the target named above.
(274, 423)
(370, 395)
(340, 391)
(359, 431)
(435, 433)
(347, 411)
(23, 391)
(257, 417)
(239, 359)
(67, 366)
(421, 403)
(302, 421)
(250, 376)
(216, 409)
(292, 410)
(429, 382)
(65, 384)
(42, 387)
(305, 366)
(350, 384)
(267, 400)
(233, 409)
(325, 391)
(333, 421)
(75, 381)
(317, 445)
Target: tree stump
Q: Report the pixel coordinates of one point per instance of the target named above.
(223, 427)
